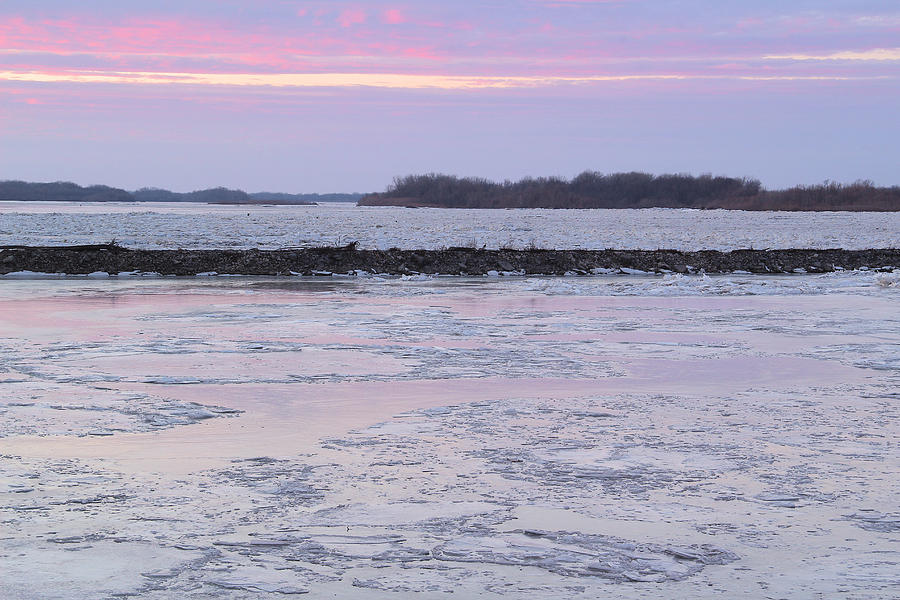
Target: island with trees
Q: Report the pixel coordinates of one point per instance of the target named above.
(592, 189)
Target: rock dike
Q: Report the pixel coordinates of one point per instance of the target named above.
(114, 259)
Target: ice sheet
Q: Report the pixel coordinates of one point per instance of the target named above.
(523, 438)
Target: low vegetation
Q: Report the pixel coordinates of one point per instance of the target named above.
(630, 190)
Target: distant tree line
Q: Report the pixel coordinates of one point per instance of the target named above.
(282, 198)
(856, 196)
(217, 195)
(630, 190)
(64, 191)
(61, 190)
(588, 190)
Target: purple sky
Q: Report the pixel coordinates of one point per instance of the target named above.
(295, 96)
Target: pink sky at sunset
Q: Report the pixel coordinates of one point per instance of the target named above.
(341, 96)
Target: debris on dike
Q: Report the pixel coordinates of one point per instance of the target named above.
(114, 259)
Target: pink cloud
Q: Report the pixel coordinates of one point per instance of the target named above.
(355, 41)
(352, 16)
(394, 16)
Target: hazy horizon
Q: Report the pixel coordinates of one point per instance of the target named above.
(302, 192)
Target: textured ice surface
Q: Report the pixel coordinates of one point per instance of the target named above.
(580, 555)
(211, 226)
(528, 438)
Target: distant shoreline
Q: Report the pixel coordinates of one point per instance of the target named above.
(114, 259)
(592, 189)
(589, 190)
(63, 191)
(254, 203)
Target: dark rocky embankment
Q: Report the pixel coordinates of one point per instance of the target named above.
(114, 259)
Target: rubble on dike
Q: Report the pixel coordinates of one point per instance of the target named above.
(114, 259)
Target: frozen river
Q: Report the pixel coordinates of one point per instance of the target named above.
(210, 226)
(623, 437)
(581, 437)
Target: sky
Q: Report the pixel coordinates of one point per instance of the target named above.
(342, 96)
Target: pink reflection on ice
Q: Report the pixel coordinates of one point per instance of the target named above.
(283, 419)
